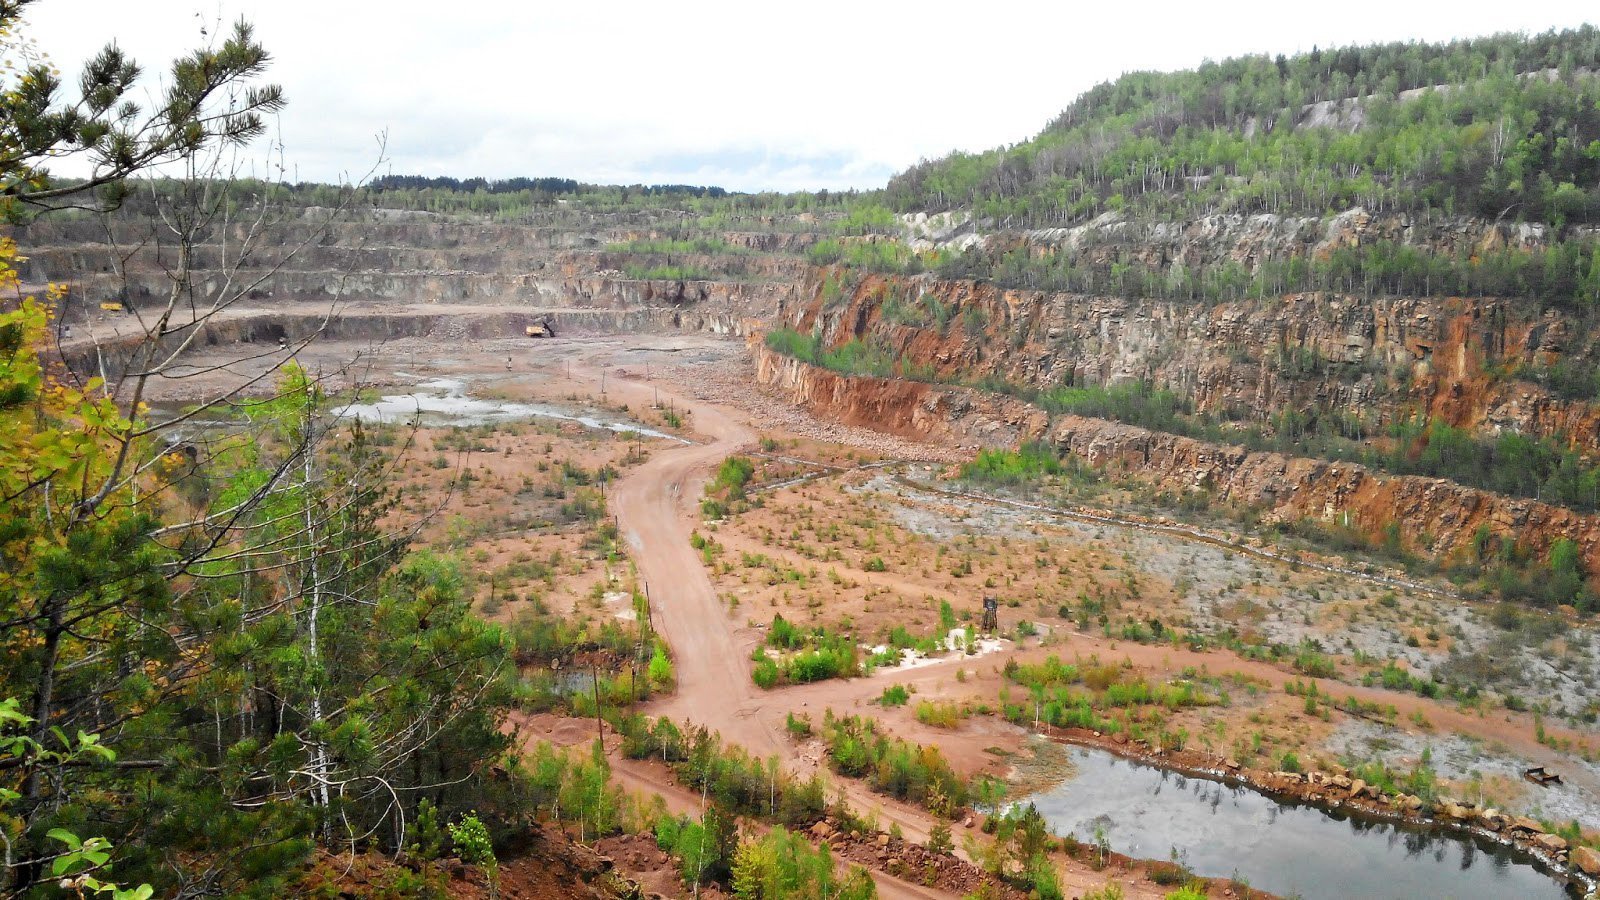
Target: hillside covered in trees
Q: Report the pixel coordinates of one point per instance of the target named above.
(1501, 127)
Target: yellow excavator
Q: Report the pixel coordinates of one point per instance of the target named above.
(545, 327)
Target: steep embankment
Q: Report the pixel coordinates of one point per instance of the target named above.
(386, 257)
(1441, 518)
(377, 275)
(1371, 362)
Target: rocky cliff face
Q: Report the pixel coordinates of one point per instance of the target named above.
(1374, 361)
(380, 264)
(906, 408)
(1245, 239)
(1441, 518)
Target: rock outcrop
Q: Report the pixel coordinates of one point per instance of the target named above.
(1365, 363)
(1441, 517)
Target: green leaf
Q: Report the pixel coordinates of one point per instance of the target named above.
(11, 713)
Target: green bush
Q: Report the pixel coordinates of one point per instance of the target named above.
(939, 713)
(735, 781)
(1011, 467)
(765, 674)
(785, 866)
(901, 769)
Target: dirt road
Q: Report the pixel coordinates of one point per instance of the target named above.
(656, 506)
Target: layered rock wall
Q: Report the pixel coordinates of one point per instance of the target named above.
(1369, 362)
(1441, 518)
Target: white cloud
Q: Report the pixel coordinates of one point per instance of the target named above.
(749, 95)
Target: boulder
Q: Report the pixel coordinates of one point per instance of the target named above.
(1406, 802)
(1231, 764)
(883, 840)
(821, 830)
(1492, 819)
(1341, 782)
(1523, 823)
(1357, 787)
(1555, 843)
(1586, 859)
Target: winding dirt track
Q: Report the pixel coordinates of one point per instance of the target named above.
(656, 506)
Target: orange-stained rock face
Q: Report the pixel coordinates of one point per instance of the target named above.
(1439, 518)
(1375, 361)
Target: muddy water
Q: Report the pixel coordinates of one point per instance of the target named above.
(1290, 850)
(444, 401)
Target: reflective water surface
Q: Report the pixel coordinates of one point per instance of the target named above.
(444, 401)
(1290, 850)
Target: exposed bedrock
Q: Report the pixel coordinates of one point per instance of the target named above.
(1376, 361)
(1440, 517)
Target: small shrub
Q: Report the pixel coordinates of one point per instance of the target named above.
(939, 713)
(895, 695)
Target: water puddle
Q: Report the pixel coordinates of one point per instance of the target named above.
(1288, 849)
(444, 401)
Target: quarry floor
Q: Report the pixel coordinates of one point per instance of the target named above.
(713, 616)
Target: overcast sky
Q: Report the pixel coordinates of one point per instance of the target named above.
(748, 95)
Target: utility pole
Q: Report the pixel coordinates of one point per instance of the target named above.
(599, 728)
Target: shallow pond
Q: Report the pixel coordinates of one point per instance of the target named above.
(1289, 849)
(444, 401)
